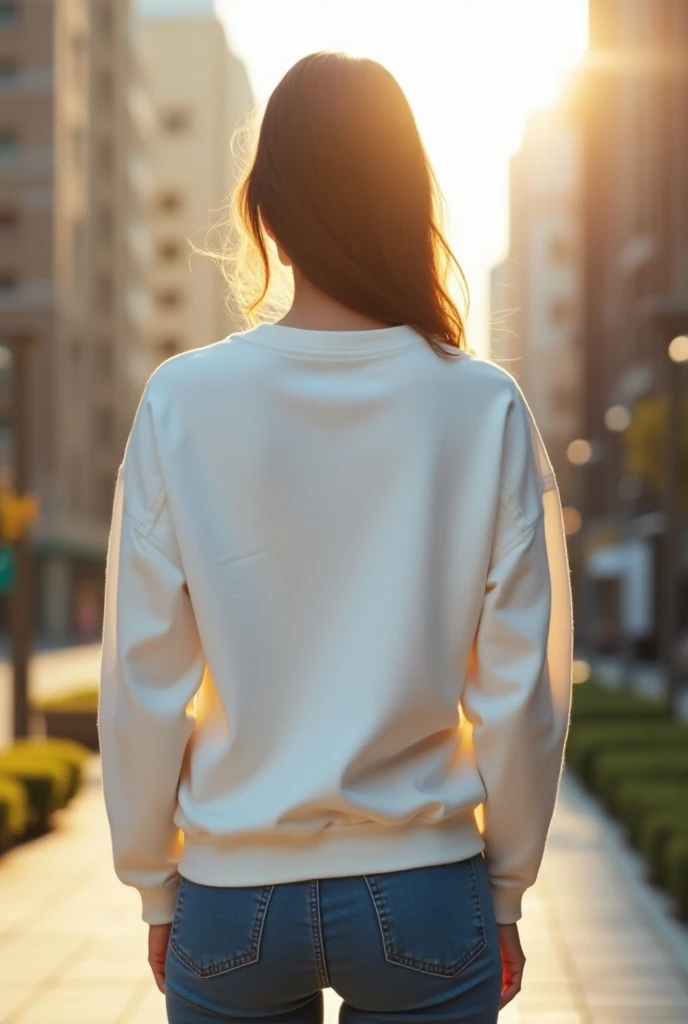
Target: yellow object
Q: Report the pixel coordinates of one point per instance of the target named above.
(17, 513)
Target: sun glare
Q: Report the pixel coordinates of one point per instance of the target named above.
(472, 69)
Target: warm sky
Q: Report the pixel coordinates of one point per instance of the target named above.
(472, 70)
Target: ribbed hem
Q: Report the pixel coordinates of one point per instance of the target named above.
(334, 852)
(507, 904)
(159, 903)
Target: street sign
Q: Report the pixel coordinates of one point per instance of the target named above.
(8, 572)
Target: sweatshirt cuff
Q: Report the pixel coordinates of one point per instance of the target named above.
(507, 904)
(159, 903)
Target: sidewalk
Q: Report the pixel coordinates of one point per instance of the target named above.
(601, 947)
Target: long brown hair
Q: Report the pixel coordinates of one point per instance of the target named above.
(341, 177)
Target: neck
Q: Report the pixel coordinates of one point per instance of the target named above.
(312, 310)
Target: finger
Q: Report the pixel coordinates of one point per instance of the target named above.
(510, 990)
(158, 970)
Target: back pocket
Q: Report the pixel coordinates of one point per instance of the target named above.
(215, 929)
(430, 918)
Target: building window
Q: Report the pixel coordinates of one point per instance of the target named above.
(106, 22)
(105, 359)
(107, 89)
(8, 226)
(9, 145)
(79, 61)
(76, 471)
(564, 401)
(169, 298)
(104, 293)
(77, 366)
(176, 120)
(561, 250)
(106, 157)
(169, 346)
(562, 312)
(8, 12)
(79, 149)
(170, 201)
(105, 426)
(8, 284)
(169, 250)
(8, 71)
(105, 224)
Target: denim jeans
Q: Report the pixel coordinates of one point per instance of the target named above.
(413, 945)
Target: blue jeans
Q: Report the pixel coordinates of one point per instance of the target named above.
(415, 945)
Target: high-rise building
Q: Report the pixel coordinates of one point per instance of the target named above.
(197, 113)
(634, 119)
(631, 105)
(536, 289)
(74, 187)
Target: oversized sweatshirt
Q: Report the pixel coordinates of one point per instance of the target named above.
(337, 619)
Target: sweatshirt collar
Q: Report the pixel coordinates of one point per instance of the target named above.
(308, 342)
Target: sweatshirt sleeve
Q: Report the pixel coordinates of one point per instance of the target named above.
(518, 693)
(152, 666)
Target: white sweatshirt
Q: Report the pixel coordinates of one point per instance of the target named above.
(312, 532)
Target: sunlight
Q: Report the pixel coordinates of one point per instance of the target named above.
(472, 69)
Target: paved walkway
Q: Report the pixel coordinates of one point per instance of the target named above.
(601, 946)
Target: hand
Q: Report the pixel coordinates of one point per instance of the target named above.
(513, 962)
(158, 941)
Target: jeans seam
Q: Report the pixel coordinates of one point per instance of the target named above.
(316, 929)
(229, 963)
(414, 963)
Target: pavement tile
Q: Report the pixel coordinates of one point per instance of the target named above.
(13, 994)
(600, 946)
(149, 1010)
(78, 1003)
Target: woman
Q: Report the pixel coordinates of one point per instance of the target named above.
(337, 612)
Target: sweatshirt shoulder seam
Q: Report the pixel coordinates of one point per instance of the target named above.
(145, 526)
(525, 527)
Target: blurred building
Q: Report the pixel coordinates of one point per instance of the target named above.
(536, 291)
(74, 187)
(201, 92)
(633, 112)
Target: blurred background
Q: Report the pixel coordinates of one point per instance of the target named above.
(559, 132)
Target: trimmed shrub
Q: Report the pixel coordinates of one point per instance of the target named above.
(590, 738)
(676, 872)
(613, 768)
(637, 799)
(594, 700)
(47, 782)
(84, 699)
(73, 716)
(657, 830)
(14, 810)
(69, 753)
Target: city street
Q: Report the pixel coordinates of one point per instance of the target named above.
(601, 947)
(51, 673)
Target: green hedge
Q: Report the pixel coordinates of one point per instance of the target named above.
(590, 738)
(676, 869)
(613, 768)
(47, 782)
(594, 700)
(658, 829)
(630, 753)
(14, 810)
(73, 755)
(84, 699)
(636, 799)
